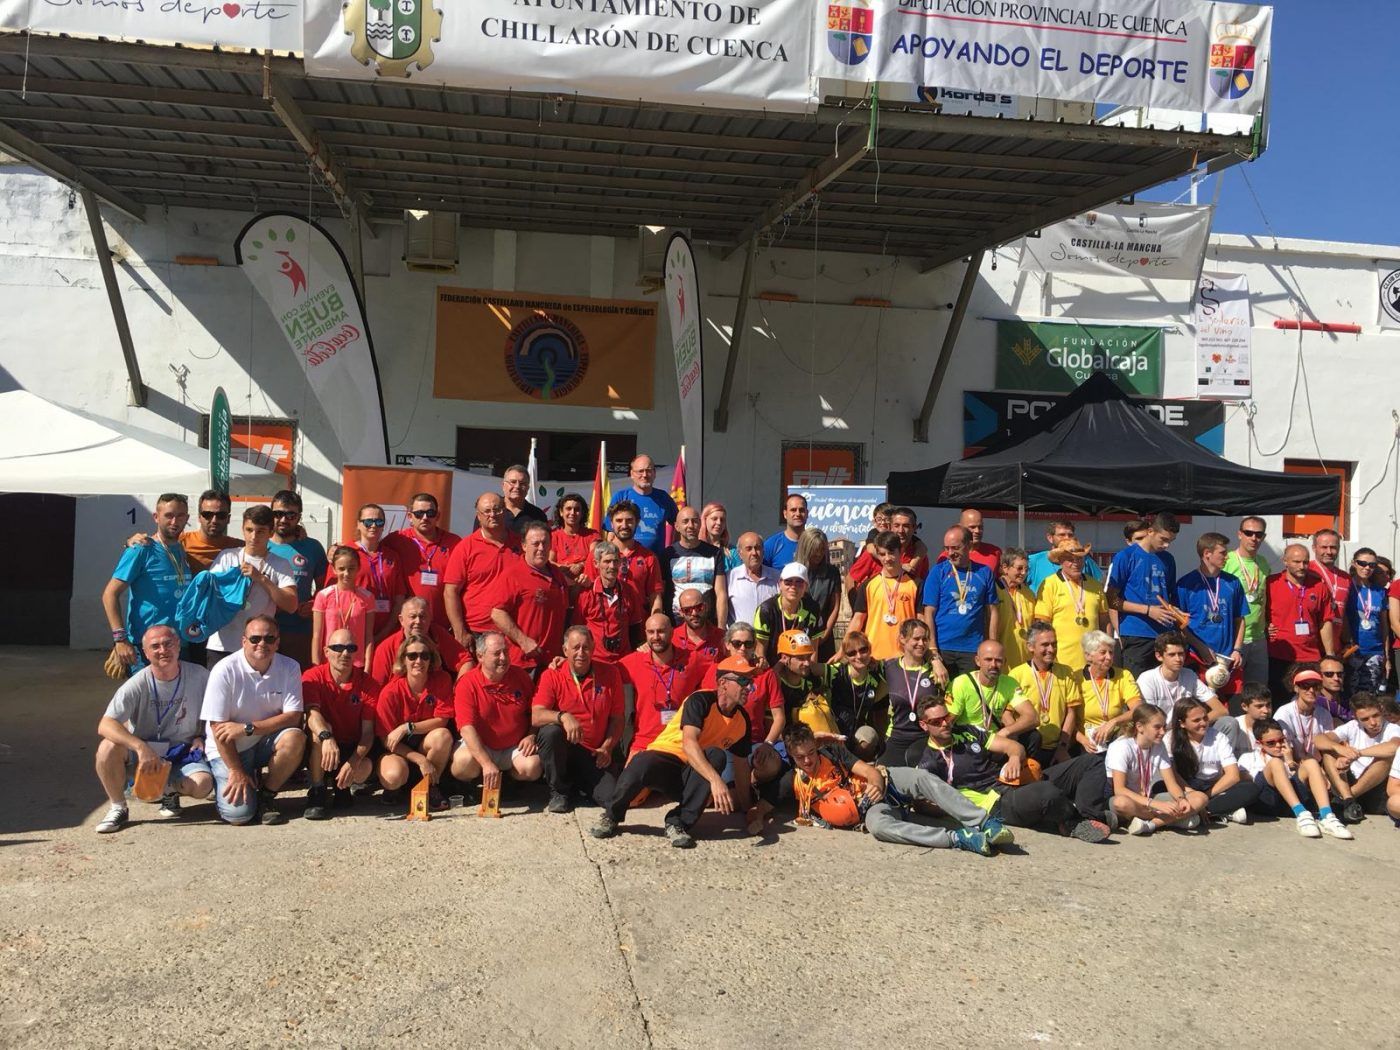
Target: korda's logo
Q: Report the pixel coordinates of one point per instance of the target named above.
(393, 34)
(849, 31)
(1232, 59)
(546, 356)
(323, 350)
(293, 271)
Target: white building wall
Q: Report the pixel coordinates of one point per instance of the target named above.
(825, 372)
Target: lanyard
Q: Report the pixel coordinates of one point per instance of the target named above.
(178, 564)
(1213, 593)
(1368, 603)
(1300, 596)
(1144, 768)
(981, 699)
(666, 683)
(795, 624)
(343, 613)
(960, 582)
(1045, 688)
(947, 755)
(1306, 732)
(427, 552)
(376, 571)
(163, 713)
(891, 596)
(862, 693)
(1332, 580)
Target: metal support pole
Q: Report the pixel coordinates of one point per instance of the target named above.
(1021, 525)
(945, 353)
(114, 296)
(357, 254)
(736, 336)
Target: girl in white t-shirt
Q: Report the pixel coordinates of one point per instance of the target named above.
(1204, 759)
(1281, 777)
(1137, 761)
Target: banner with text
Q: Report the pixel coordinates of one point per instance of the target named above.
(1223, 336)
(530, 348)
(683, 309)
(303, 277)
(1154, 241)
(1056, 356)
(754, 54)
(843, 512)
(990, 416)
(1388, 274)
(1174, 54)
(261, 25)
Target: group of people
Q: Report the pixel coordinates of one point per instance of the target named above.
(972, 691)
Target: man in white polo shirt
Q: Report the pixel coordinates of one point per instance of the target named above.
(252, 706)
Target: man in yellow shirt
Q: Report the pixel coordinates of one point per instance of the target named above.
(1051, 688)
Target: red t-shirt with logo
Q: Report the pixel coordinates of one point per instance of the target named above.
(538, 601)
(417, 557)
(660, 689)
(593, 700)
(472, 567)
(606, 617)
(1338, 585)
(569, 549)
(343, 706)
(397, 704)
(498, 711)
(1289, 605)
(640, 570)
(710, 645)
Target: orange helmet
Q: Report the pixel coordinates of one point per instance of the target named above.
(736, 665)
(837, 807)
(795, 643)
(1030, 773)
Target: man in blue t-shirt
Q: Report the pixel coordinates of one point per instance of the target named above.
(781, 548)
(1215, 600)
(960, 606)
(307, 558)
(1367, 669)
(1039, 566)
(152, 576)
(656, 507)
(1141, 578)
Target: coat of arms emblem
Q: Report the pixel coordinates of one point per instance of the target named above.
(393, 34)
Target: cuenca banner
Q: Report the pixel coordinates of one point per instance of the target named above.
(1176, 54)
(259, 25)
(303, 277)
(1223, 336)
(393, 488)
(1054, 356)
(991, 416)
(532, 348)
(749, 53)
(843, 512)
(683, 308)
(1154, 241)
(1388, 274)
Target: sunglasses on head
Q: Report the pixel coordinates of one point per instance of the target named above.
(421, 514)
(1257, 534)
(261, 639)
(372, 523)
(214, 515)
(344, 647)
(418, 654)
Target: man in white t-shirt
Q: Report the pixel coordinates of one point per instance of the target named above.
(1172, 681)
(272, 581)
(154, 716)
(252, 707)
(1357, 756)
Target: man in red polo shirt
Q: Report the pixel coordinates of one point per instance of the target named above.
(606, 606)
(696, 634)
(423, 551)
(416, 617)
(339, 699)
(530, 602)
(1302, 626)
(492, 704)
(979, 553)
(1326, 545)
(577, 715)
(639, 567)
(474, 565)
(662, 676)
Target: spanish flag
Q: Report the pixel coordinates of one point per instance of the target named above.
(602, 492)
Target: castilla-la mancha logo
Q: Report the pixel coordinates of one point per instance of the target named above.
(393, 34)
(850, 28)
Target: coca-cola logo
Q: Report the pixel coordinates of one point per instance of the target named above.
(324, 349)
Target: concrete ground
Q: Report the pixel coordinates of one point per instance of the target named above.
(524, 932)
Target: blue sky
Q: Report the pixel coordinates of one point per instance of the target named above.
(1333, 149)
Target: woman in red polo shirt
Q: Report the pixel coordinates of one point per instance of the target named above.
(572, 539)
(413, 718)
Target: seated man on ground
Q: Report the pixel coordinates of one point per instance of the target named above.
(493, 717)
(1357, 755)
(413, 717)
(340, 702)
(577, 714)
(154, 716)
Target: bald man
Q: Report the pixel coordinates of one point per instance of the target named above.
(472, 567)
(750, 583)
(655, 506)
(1302, 624)
(988, 554)
(960, 607)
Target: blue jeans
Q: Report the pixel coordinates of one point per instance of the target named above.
(252, 761)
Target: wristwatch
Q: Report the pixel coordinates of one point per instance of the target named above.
(410, 728)
(247, 728)
(324, 735)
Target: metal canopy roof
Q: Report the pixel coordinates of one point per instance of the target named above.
(142, 126)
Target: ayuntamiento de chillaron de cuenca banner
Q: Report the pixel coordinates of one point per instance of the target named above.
(772, 54)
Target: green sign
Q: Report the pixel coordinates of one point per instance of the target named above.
(220, 428)
(1049, 357)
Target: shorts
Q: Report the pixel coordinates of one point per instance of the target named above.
(1270, 801)
(503, 758)
(187, 768)
(252, 760)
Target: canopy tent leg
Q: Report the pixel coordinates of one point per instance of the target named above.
(1021, 525)
(736, 336)
(114, 296)
(945, 353)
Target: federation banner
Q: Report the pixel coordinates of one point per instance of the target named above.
(1223, 336)
(259, 25)
(303, 277)
(683, 309)
(1153, 241)
(1172, 54)
(1388, 303)
(1053, 356)
(752, 54)
(531, 348)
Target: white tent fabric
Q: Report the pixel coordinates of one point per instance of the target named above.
(51, 448)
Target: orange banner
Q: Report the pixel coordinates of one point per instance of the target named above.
(528, 347)
(392, 488)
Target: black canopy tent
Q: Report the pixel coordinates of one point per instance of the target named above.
(1097, 451)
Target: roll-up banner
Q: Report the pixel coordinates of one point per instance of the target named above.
(1223, 325)
(303, 277)
(683, 308)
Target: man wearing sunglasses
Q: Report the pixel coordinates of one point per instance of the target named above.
(423, 549)
(1368, 669)
(307, 557)
(339, 699)
(695, 633)
(1251, 568)
(252, 713)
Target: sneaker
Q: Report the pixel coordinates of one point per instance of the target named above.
(1352, 813)
(1086, 830)
(343, 798)
(1114, 824)
(972, 840)
(1140, 827)
(679, 837)
(115, 820)
(606, 827)
(1239, 816)
(997, 833)
(1334, 827)
(316, 808)
(558, 803)
(268, 813)
(169, 805)
(1307, 826)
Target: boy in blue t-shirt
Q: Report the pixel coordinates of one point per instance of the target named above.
(1142, 576)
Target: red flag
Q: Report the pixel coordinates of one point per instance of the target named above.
(677, 492)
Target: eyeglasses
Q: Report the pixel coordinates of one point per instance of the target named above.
(418, 654)
(1276, 742)
(1364, 564)
(421, 514)
(1331, 674)
(688, 609)
(372, 523)
(1254, 534)
(166, 643)
(346, 647)
(214, 515)
(285, 513)
(261, 639)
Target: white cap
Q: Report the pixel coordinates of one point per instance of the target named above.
(795, 570)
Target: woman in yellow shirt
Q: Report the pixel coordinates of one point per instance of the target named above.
(1017, 606)
(1109, 693)
(1072, 602)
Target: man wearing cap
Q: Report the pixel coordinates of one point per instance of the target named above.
(960, 607)
(577, 715)
(687, 760)
(751, 583)
(339, 699)
(789, 610)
